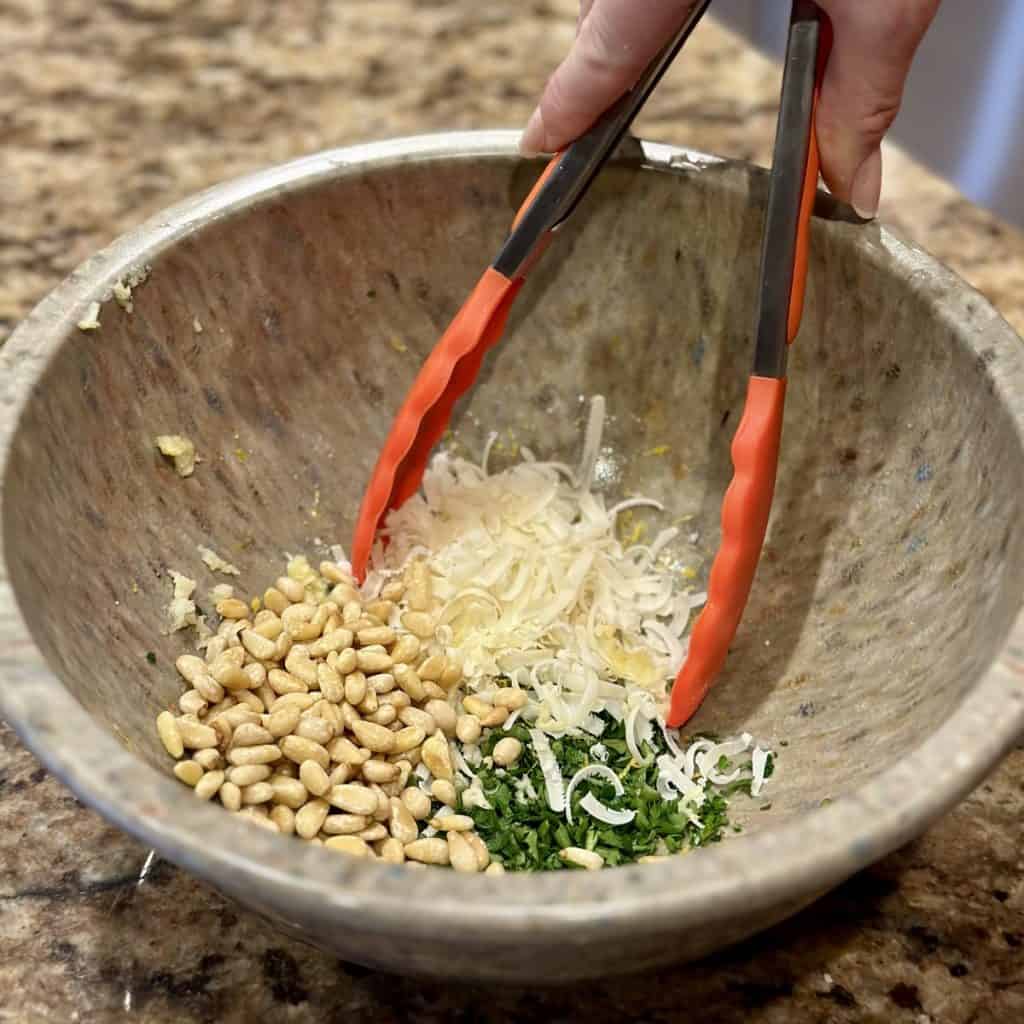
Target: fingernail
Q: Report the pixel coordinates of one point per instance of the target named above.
(867, 187)
(531, 143)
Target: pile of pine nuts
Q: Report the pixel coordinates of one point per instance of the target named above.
(312, 710)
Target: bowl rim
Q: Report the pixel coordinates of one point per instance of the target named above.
(793, 861)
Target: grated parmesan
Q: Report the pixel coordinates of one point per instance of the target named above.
(215, 563)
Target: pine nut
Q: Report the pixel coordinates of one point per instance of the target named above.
(375, 737)
(432, 667)
(452, 823)
(231, 677)
(260, 647)
(384, 715)
(476, 706)
(351, 612)
(418, 587)
(371, 660)
(284, 682)
(334, 573)
(302, 701)
(298, 663)
(461, 855)
(209, 688)
(293, 590)
(467, 728)
(249, 699)
(368, 704)
(344, 750)
(419, 624)
(190, 668)
(408, 738)
(345, 662)
(340, 774)
(406, 650)
(379, 771)
(250, 735)
(495, 868)
(398, 699)
(383, 636)
(331, 714)
(494, 718)
(352, 845)
(402, 822)
(483, 855)
(223, 729)
(345, 824)
(434, 692)
(452, 674)
(416, 802)
(252, 815)
(297, 615)
(257, 793)
(511, 699)
(231, 656)
(170, 735)
(355, 688)
(507, 751)
(310, 817)
(209, 785)
(275, 600)
(266, 695)
(267, 754)
(283, 722)
(336, 640)
(373, 833)
(316, 729)
(257, 673)
(444, 791)
(391, 852)
(380, 610)
(314, 778)
(417, 717)
(209, 759)
(191, 702)
(282, 645)
(298, 749)
(231, 796)
(408, 679)
(289, 792)
(354, 799)
(284, 818)
(383, 811)
(189, 772)
(330, 683)
(428, 851)
(249, 774)
(215, 648)
(443, 714)
(381, 683)
(232, 608)
(194, 735)
(349, 715)
(587, 859)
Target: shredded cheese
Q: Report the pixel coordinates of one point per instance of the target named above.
(536, 585)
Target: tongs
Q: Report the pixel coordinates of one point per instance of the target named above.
(455, 361)
(783, 278)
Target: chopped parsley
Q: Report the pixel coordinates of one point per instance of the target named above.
(523, 833)
(151, 657)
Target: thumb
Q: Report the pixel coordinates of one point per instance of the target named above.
(616, 41)
(875, 42)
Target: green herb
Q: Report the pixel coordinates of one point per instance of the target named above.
(151, 657)
(523, 833)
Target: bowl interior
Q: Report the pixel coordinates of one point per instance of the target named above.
(281, 338)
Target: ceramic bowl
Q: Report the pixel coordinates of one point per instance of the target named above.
(281, 320)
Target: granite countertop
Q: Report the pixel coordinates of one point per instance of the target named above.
(112, 109)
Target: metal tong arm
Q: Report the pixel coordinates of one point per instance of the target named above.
(572, 171)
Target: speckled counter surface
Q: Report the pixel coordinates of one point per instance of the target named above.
(112, 109)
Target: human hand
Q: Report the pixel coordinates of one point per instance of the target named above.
(875, 43)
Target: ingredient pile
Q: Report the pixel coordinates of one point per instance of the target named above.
(490, 698)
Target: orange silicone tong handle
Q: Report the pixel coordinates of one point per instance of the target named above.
(444, 378)
(748, 499)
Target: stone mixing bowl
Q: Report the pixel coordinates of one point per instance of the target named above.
(283, 318)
